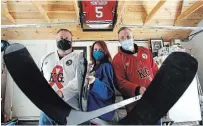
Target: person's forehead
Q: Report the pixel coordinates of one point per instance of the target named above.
(64, 33)
(97, 46)
(125, 32)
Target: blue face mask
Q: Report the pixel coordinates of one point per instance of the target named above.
(98, 55)
(128, 44)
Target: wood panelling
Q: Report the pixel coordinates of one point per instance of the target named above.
(129, 12)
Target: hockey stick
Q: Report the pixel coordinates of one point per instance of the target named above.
(173, 78)
(35, 87)
(29, 79)
(86, 116)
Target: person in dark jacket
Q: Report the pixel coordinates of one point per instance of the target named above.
(101, 79)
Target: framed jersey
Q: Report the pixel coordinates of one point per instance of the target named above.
(98, 15)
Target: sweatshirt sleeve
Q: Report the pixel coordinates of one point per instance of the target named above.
(40, 63)
(126, 87)
(71, 89)
(104, 88)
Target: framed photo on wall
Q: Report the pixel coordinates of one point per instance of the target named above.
(155, 45)
(81, 49)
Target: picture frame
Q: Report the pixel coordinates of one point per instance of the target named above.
(155, 45)
(80, 49)
(99, 26)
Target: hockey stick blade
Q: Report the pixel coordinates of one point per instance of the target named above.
(86, 116)
(29, 79)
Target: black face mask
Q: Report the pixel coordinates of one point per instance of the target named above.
(64, 44)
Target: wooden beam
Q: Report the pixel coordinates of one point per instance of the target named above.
(50, 34)
(76, 10)
(154, 10)
(144, 13)
(66, 12)
(4, 21)
(190, 10)
(161, 15)
(41, 10)
(179, 10)
(51, 15)
(56, 7)
(120, 9)
(6, 13)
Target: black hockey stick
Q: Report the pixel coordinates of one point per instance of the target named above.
(27, 76)
(171, 81)
(175, 75)
(29, 79)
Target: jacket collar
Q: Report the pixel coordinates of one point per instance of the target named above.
(129, 52)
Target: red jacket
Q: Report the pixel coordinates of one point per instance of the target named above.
(133, 71)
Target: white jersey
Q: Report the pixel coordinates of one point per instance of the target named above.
(62, 74)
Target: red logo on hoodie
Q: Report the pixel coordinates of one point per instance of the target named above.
(56, 77)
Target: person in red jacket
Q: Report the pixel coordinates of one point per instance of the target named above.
(133, 66)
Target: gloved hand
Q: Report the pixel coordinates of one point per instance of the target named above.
(91, 79)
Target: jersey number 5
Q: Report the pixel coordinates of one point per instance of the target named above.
(99, 13)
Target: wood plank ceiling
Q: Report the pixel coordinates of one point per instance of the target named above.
(136, 12)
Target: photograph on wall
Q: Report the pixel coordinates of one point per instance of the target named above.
(81, 49)
(155, 46)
